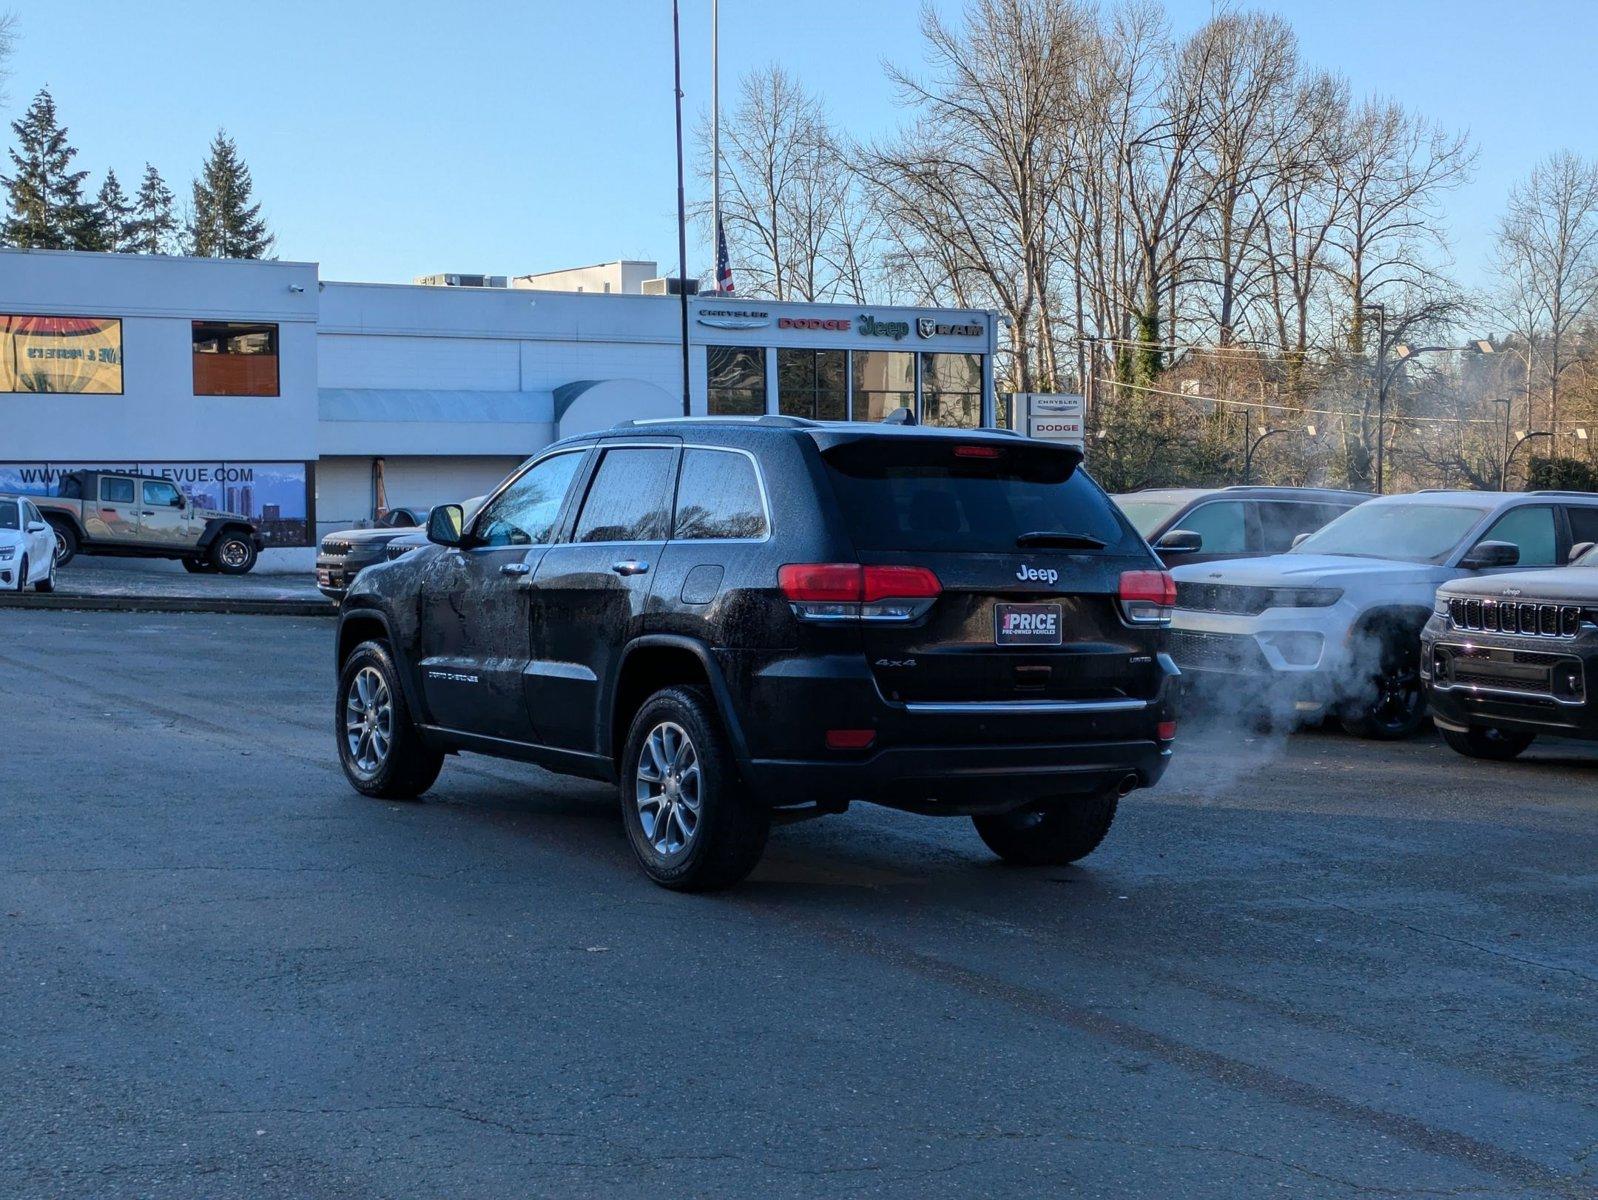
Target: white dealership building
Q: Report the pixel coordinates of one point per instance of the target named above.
(260, 387)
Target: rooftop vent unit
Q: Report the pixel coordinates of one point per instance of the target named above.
(667, 286)
(489, 281)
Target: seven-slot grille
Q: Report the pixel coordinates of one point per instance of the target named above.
(1223, 598)
(1525, 618)
(336, 548)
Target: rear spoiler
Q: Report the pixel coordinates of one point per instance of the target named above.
(872, 443)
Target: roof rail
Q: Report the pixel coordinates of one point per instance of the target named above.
(710, 419)
(1563, 492)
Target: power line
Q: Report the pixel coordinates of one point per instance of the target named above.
(1320, 412)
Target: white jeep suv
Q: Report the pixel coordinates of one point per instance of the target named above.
(1333, 625)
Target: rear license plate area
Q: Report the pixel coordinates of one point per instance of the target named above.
(1026, 624)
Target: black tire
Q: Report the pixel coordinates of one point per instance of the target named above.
(1052, 833)
(66, 542)
(233, 553)
(22, 575)
(409, 765)
(1488, 741)
(1393, 705)
(730, 828)
(47, 584)
(198, 566)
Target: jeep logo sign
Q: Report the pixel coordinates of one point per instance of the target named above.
(1036, 575)
(869, 326)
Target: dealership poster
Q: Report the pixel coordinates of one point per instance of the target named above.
(275, 495)
(61, 354)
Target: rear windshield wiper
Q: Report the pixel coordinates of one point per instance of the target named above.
(1061, 539)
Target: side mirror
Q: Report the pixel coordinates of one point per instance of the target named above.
(1180, 541)
(1299, 537)
(1486, 556)
(181, 502)
(37, 527)
(445, 524)
(1579, 549)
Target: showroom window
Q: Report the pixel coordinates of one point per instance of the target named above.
(883, 381)
(61, 354)
(232, 358)
(735, 381)
(951, 390)
(813, 383)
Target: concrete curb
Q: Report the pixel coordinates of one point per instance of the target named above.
(60, 601)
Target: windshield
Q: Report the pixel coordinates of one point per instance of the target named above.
(1404, 532)
(10, 516)
(931, 495)
(1147, 513)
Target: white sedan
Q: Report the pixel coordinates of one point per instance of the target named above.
(27, 546)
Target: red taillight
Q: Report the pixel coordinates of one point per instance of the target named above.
(976, 452)
(1165, 731)
(822, 581)
(850, 592)
(902, 583)
(1147, 597)
(850, 739)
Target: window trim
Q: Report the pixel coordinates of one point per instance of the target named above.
(591, 475)
(277, 357)
(511, 480)
(1251, 523)
(99, 491)
(122, 356)
(760, 483)
(1556, 514)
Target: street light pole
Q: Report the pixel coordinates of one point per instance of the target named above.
(682, 207)
(1503, 460)
(1248, 454)
(1537, 434)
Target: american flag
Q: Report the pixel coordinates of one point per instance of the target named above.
(723, 265)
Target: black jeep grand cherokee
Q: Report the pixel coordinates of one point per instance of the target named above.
(742, 621)
(1506, 657)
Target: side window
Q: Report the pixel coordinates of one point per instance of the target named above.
(718, 496)
(524, 514)
(1281, 521)
(1532, 529)
(630, 498)
(1583, 523)
(116, 491)
(1223, 525)
(157, 491)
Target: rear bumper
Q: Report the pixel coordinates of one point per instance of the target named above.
(942, 757)
(962, 780)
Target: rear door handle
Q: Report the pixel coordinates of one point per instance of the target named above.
(629, 566)
(514, 569)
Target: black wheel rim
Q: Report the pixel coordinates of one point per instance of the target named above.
(1398, 698)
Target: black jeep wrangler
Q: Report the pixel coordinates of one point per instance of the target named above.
(749, 621)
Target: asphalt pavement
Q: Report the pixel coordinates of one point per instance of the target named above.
(1301, 967)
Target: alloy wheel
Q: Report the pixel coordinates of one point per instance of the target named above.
(668, 789)
(234, 552)
(1398, 696)
(368, 721)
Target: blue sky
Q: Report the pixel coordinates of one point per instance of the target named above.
(399, 138)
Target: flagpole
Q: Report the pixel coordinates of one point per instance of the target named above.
(682, 208)
(715, 136)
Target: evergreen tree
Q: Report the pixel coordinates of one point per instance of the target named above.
(225, 223)
(43, 193)
(113, 216)
(153, 228)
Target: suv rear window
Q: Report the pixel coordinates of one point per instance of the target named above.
(933, 494)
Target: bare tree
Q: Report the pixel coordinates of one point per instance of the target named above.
(1548, 258)
(1389, 181)
(975, 182)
